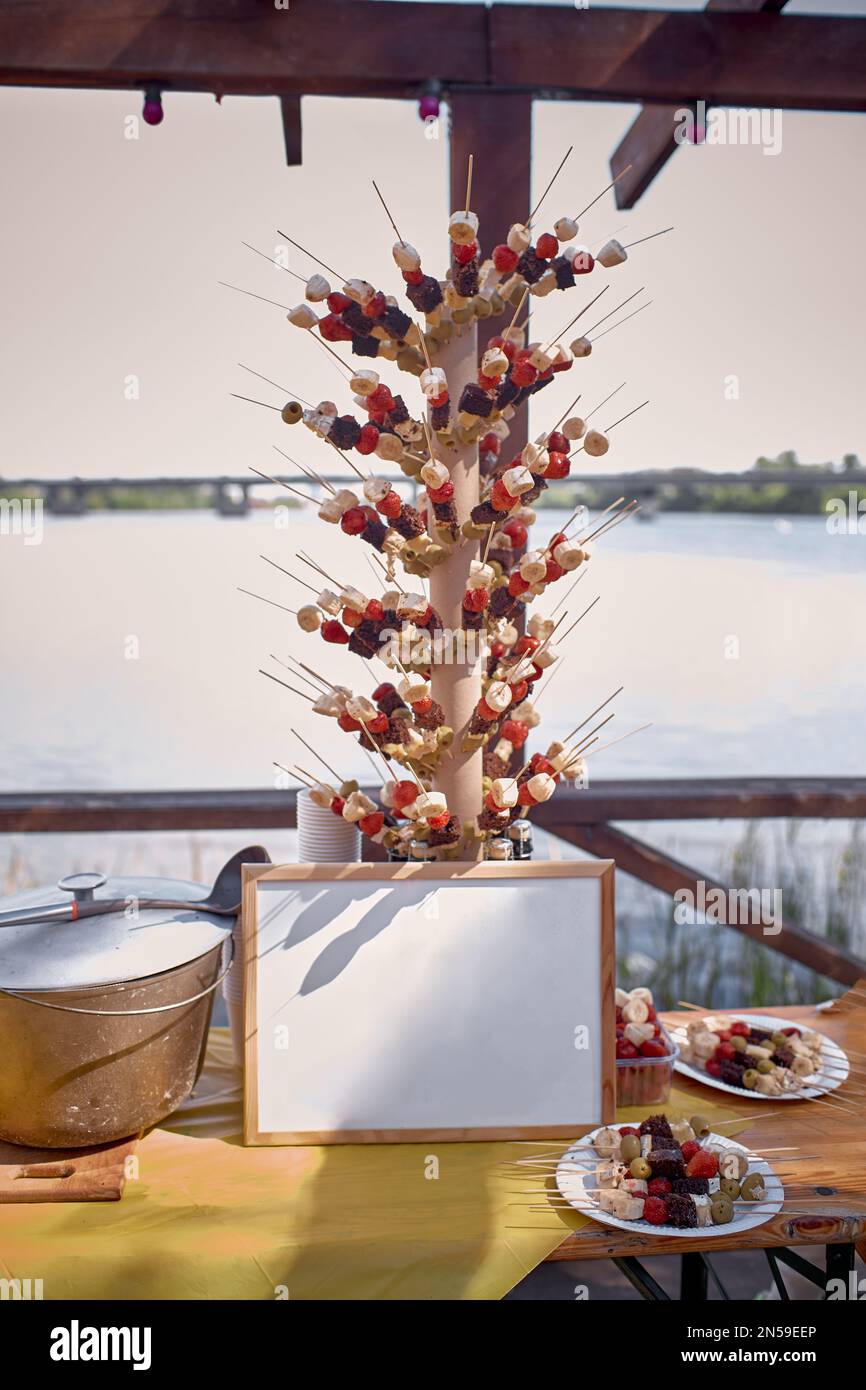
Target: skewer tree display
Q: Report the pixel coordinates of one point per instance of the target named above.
(448, 728)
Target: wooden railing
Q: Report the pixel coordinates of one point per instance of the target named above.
(582, 818)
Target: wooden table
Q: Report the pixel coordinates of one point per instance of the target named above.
(825, 1203)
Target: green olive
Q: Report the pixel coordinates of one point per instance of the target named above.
(483, 308)
(738, 1043)
(700, 1126)
(765, 1066)
(780, 1040)
(630, 1147)
(639, 1168)
(291, 412)
(750, 1079)
(729, 1187)
(347, 788)
(721, 1209)
(752, 1187)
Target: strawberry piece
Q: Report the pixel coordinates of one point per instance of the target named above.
(740, 1029)
(353, 521)
(713, 1068)
(558, 467)
(519, 691)
(367, 439)
(466, 253)
(702, 1165)
(557, 443)
(497, 650)
(347, 723)
(332, 631)
(526, 644)
(413, 277)
(489, 444)
(651, 1048)
(518, 533)
(628, 1129)
(423, 706)
(476, 600)
(372, 824)
(553, 572)
(539, 763)
(625, 1050)
(333, 330)
(484, 712)
(547, 246)
(500, 497)
(517, 585)
(337, 805)
(386, 688)
(441, 399)
(515, 731)
(378, 724)
(375, 306)
(374, 612)
(523, 373)
(655, 1211)
(391, 506)
(724, 1052)
(351, 617)
(443, 493)
(525, 797)
(504, 259)
(405, 793)
(690, 1148)
(381, 398)
(337, 302)
(488, 383)
(657, 1187)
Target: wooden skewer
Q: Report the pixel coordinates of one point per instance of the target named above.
(577, 316)
(289, 573)
(354, 467)
(516, 312)
(291, 772)
(344, 370)
(297, 675)
(581, 508)
(577, 620)
(321, 686)
(302, 693)
(262, 297)
(598, 530)
(279, 483)
(567, 595)
(314, 781)
(621, 322)
(493, 526)
(594, 713)
(468, 202)
(575, 751)
(388, 212)
(614, 310)
(305, 560)
(324, 680)
(622, 516)
(251, 400)
(602, 193)
(549, 186)
(621, 738)
(309, 472)
(608, 428)
(285, 390)
(596, 408)
(279, 267)
(646, 238)
(297, 244)
(262, 599)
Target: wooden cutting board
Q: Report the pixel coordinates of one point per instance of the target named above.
(64, 1175)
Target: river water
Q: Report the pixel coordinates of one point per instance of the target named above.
(132, 662)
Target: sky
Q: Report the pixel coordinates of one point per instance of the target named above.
(121, 348)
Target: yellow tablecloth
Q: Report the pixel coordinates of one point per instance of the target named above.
(206, 1218)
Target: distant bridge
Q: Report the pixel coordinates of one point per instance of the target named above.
(230, 494)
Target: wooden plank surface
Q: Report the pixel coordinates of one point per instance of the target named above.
(649, 141)
(363, 47)
(803, 61)
(837, 1141)
(687, 798)
(64, 1175)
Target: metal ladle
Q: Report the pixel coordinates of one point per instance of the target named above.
(224, 899)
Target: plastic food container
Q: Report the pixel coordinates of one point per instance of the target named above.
(646, 1080)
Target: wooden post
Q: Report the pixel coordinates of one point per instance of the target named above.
(480, 124)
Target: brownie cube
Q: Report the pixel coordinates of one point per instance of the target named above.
(426, 295)
(353, 317)
(731, 1072)
(561, 267)
(531, 266)
(681, 1211)
(658, 1127)
(344, 432)
(395, 322)
(666, 1163)
(440, 416)
(365, 347)
(474, 400)
(699, 1187)
(466, 279)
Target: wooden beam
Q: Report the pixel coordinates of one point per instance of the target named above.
(290, 112)
(369, 48)
(660, 871)
(799, 61)
(649, 142)
(68, 812)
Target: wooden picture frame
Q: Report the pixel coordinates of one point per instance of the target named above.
(542, 898)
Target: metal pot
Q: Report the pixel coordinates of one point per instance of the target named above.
(103, 1020)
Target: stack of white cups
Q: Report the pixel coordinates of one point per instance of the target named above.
(323, 838)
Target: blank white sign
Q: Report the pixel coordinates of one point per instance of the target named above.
(402, 1008)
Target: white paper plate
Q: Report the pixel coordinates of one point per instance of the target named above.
(832, 1059)
(575, 1178)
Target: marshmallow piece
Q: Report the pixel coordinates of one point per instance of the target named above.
(497, 696)
(636, 1186)
(638, 1033)
(522, 670)
(543, 355)
(376, 489)
(503, 749)
(345, 499)
(330, 510)
(429, 804)
(302, 316)
(364, 383)
(581, 347)
(353, 598)
(412, 604)
(609, 1174)
(508, 634)
(309, 618)
(360, 708)
(533, 566)
(327, 705)
(481, 576)
(433, 381)
(386, 794)
(389, 447)
(390, 600)
(545, 285)
(359, 290)
(702, 1208)
(574, 427)
(540, 628)
(612, 253)
(494, 362)
(505, 792)
(541, 787)
(406, 256)
(329, 602)
(519, 238)
(568, 555)
(536, 457)
(562, 760)
(463, 227)
(545, 656)
(322, 795)
(517, 480)
(317, 288)
(565, 229)
(434, 474)
(606, 1143)
(596, 444)
(527, 714)
(413, 687)
(357, 806)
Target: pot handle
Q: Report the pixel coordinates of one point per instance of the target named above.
(129, 1013)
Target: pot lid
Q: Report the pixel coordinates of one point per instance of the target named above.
(109, 949)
